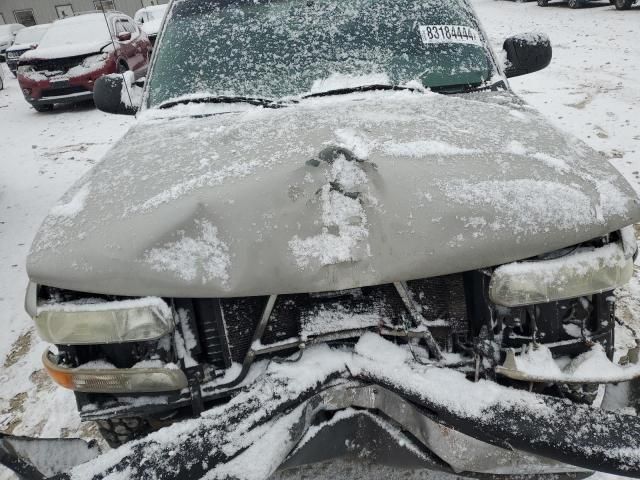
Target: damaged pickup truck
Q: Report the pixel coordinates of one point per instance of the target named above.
(335, 231)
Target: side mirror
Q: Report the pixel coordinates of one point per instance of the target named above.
(527, 53)
(124, 36)
(110, 96)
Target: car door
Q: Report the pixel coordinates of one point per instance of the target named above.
(126, 47)
(137, 52)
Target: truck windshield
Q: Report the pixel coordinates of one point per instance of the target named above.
(288, 48)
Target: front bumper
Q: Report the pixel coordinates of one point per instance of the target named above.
(77, 88)
(62, 99)
(409, 427)
(445, 421)
(389, 427)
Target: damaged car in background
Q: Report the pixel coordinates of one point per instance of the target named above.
(338, 232)
(76, 51)
(149, 19)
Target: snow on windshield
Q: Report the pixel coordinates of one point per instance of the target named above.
(77, 30)
(288, 48)
(31, 35)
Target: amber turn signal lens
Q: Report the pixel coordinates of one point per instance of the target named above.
(63, 379)
(115, 380)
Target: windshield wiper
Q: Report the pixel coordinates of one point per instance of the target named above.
(466, 88)
(363, 88)
(260, 102)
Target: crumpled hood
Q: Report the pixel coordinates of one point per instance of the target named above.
(64, 51)
(330, 194)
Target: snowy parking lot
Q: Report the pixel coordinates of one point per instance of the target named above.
(591, 90)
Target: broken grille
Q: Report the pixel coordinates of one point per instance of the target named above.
(440, 300)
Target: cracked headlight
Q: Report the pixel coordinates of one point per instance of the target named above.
(94, 60)
(22, 69)
(86, 323)
(585, 271)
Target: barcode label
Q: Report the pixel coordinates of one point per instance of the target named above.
(449, 34)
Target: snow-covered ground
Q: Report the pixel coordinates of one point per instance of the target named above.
(591, 89)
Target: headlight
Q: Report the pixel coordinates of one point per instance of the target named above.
(583, 272)
(106, 322)
(25, 69)
(115, 380)
(94, 60)
(13, 54)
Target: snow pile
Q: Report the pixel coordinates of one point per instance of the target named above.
(537, 360)
(373, 346)
(422, 148)
(516, 148)
(205, 256)
(595, 362)
(532, 38)
(593, 366)
(551, 161)
(357, 143)
(75, 205)
(336, 319)
(612, 200)
(344, 221)
(97, 365)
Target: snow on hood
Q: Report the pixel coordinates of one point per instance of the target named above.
(63, 51)
(18, 47)
(421, 185)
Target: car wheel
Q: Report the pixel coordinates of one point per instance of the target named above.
(118, 431)
(623, 4)
(543, 3)
(43, 108)
(575, 4)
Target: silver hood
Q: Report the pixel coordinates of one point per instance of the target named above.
(332, 193)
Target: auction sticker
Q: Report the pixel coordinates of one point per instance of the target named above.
(449, 34)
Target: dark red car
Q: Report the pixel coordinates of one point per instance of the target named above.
(75, 52)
